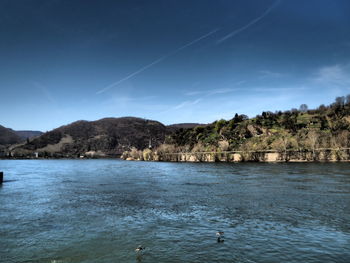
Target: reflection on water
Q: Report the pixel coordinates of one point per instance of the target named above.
(100, 210)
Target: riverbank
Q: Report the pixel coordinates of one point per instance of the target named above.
(317, 155)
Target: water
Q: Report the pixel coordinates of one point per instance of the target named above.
(59, 211)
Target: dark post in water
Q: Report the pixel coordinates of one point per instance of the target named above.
(1, 177)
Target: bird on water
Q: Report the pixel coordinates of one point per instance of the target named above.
(220, 233)
(220, 236)
(139, 248)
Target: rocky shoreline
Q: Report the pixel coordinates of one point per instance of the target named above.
(322, 155)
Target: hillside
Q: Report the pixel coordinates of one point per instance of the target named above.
(326, 127)
(28, 134)
(303, 130)
(8, 136)
(178, 126)
(109, 136)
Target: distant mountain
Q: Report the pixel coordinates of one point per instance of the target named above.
(28, 134)
(8, 136)
(109, 136)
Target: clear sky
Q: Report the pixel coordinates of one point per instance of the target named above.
(168, 60)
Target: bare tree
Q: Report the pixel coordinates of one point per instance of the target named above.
(340, 101)
(348, 99)
(283, 143)
(313, 138)
(303, 108)
(224, 145)
(342, 139)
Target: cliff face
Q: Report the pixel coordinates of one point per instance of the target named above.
(109, 136)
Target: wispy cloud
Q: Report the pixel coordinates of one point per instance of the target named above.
(128, 101)
(251, 23)
(125, 105)
(114, 84)
(186, 103)
(45, 91)
(270, 74)
(279, 89)
(211, 92)
(333, 76)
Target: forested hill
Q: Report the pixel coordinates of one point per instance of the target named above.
(296, 129)
(28, 134)
(300, 129)
(8, 136)
(108, 136)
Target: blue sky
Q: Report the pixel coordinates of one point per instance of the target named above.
(172, 61)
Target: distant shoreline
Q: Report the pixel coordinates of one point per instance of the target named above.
(57, 158)
(263, 156)
(316, 155)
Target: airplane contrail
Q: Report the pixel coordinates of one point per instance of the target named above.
(156, 61)
(254, 21)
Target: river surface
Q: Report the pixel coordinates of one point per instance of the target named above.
(59, 211)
